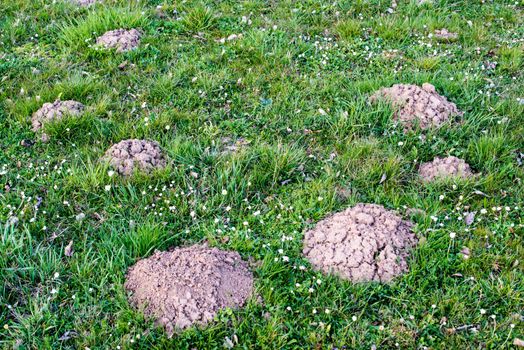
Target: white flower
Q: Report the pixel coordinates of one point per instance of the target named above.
(482, 311)
(224, 192)
(107, 188)
(452, 235)
(354, 318)
(110, 173)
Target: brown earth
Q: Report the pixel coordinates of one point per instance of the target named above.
(53, 112)
(364, 243)
(416, 105)
(130, 155)
(188, 286)
(120, 39)
(441, 168)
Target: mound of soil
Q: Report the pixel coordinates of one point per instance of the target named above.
(55, 111)
(120, 39)
(364, 243)
(417, 105)
(441, 168)
(188, 286)
(444, 35)
(128, 155)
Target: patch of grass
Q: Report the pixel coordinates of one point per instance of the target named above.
(293, 90)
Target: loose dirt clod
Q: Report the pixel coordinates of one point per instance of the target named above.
(128, 155)
(55, 111)
(417, 105)
(364, 243)
(441, 168)
(188, 286)
(443, 34)
(120, 39)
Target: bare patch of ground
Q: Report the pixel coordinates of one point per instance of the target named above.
(441, 168)
(188, 286)
(130, 155)
(120, 39)
(364, 243)
(53, 112)
(416, 105)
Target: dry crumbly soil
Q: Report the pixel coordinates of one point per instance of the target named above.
(120, 39)
(416, 105)
(188, 286)
(55, 111)
(442, 168)
(364, 243)
(130, 155)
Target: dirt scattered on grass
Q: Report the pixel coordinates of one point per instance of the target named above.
(120, 39)
(130, 155)
(442, 168)
(188, 286)
(443, 34)
(53, 112)
(85, 3)
(364, 243)
(231, 145)
(417, 105)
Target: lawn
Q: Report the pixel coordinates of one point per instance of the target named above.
(262, 110)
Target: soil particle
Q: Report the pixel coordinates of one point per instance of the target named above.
(441, 168)
(128, 155)
(417, 105)
(55, 111)
(443, 34)
(120, 39)
(188, 286)
(364, 243)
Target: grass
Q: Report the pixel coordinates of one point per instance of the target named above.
(295, 85)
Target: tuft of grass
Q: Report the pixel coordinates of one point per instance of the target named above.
(348, 29)
(198, 19)
(82, 32)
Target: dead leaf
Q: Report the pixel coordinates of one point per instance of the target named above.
(68, 335)
(68, 250)
(465, 252)
(383, 178)
(470, 218)
(518, 342)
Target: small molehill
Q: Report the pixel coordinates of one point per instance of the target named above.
(53, 112)
(364, 243)
(120, 39)
(443, 168)
(130, 155)
(416, 105)
(188, 286)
